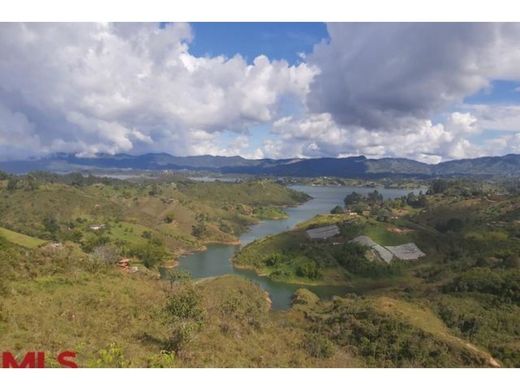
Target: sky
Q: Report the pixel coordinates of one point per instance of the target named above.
(426, 91)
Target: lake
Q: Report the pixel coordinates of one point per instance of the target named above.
(216, 260)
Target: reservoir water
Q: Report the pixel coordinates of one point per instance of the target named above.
(216, 260)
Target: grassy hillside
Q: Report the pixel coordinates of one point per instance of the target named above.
(20, 239)
(457, 307)
(292, 257)
(172, 214)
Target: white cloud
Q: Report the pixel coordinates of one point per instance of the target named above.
(385, 75)
(497, 117)
(375, 89)
(317, 135)
(91, 88)
(380, 84)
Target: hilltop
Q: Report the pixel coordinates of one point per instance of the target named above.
(348, 167)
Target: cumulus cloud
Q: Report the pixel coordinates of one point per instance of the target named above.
(497, 117)
(90, 88)
(378, 89)
(318, 135)
(395, 89)
(384, 75)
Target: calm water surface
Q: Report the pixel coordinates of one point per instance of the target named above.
(216, 260)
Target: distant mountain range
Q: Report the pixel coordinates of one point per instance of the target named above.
(350, 167)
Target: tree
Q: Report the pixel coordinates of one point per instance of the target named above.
(439, 186)
(51, 225)
(12, 183)
(451, 225)
(176, 275)
(308, 269)
(375, 198)
(185, 315)
(149, 253)
(352, 199)
(337, 210)
(199, 230)
(383, 215)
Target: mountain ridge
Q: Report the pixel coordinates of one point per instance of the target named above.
(347, 167)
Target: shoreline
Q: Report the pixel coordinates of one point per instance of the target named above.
(290, 282)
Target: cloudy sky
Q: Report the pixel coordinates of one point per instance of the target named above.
(430, 92)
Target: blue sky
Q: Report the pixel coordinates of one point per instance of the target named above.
(278, 41)
(499, 92)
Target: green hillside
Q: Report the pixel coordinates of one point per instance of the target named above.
(20, 239)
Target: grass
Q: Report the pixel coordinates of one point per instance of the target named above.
(325, 219)
(379, 232)
(129, 232)
(423, 318)
(21, 239)
(85, 315)
(240, 331)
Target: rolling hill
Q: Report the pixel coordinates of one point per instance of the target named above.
(348, 167)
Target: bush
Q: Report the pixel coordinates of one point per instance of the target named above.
(352, 199)
(504, 284)
(352, 256)
(318, 346)
(337, 210)
(308, 269)
(302, 296)
(185, 314)
(149, 253)
(185, 304)
(274, 259)
(110, 357)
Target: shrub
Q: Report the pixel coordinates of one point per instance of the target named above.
(149, 253)
(110, 357)
(302, 296)
(308, 269)
(337, 210)
(318, 346)
(185, 314)
(185, 304)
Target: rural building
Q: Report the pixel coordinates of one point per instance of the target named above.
(408, 251)
(322, 233)
(383, 253)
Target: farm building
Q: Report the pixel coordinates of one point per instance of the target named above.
(322, 233)
(408, 251)
(380, 251)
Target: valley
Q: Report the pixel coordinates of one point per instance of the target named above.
(164, 271)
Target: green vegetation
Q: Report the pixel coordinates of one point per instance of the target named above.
(385, 333)
(456, 307)
(20, 239)
(152, 220)
(292, 257)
